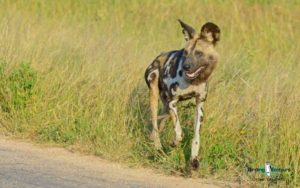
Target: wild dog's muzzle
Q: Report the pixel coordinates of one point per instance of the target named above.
(194, 74)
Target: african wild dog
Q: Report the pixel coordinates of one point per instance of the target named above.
(180, 75)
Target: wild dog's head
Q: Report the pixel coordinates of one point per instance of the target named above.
(200, 56)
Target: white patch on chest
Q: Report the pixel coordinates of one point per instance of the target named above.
(201, 89)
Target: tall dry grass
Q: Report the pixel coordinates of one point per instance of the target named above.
(72, 73)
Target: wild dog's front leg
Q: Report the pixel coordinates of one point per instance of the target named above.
(196, 139)
(175, 119)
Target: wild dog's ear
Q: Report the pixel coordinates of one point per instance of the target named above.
(188, 31)
(210, 32)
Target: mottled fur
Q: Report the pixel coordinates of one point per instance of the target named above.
(180, 75)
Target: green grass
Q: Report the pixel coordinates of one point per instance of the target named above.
(71, 73)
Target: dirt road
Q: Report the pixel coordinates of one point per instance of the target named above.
(29, 166)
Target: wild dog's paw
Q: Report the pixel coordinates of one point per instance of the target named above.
(177, 140)
(175, 143)
(157, 144)
(194, 163)
(154, 136)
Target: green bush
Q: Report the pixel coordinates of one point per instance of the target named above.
(21, 83)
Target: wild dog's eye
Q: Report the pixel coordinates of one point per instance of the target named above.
(198, 53)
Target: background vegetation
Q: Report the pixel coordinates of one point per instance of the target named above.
(71, 72)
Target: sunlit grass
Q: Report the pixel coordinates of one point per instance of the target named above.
(72, 73)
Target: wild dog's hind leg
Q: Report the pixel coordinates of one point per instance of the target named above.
(175, 119)
(154, 94)
(196, 139)
(164, 116)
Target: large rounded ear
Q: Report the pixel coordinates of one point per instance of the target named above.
(188, 31)
(210, 32)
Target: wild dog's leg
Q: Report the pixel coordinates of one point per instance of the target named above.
(164, 117)
(154, 91)
(197, 126)
(175, 119)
